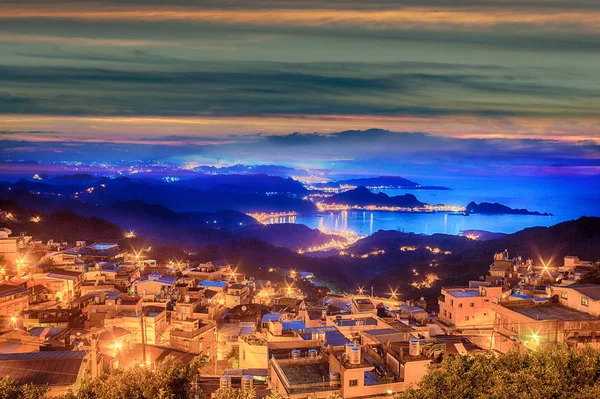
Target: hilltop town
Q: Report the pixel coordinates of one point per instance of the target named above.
(71, 311)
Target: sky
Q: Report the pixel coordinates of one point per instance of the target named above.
(462, 86)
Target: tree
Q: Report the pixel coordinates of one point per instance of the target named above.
(9, 390)
(172, 379)
(558, 372)
(592, 276)
(234, 393)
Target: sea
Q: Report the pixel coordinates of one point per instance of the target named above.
(566, 198)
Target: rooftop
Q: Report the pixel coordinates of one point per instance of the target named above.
(461, 292)
(300, 373)
(209, 283)
(103, 246)
(54, 368)
(548, 311)
(362, 321)
(592, 291)
(6, 290)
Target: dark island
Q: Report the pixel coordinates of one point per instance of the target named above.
(362, 196)
(487, 208)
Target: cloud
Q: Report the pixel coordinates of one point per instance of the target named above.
(369, 151)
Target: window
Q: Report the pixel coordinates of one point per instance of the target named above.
(460, 305)
(353, 383)
(563, 295)
(445, 313)
(472, 304)
(451, 302)
(486, 300)
(450, 316)
(466, 318)
(584, 301)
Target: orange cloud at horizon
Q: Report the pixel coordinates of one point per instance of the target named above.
(204, 130)
(436, 18)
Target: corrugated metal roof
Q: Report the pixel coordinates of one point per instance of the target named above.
(59, 368)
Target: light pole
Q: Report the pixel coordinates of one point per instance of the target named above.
(216, 346)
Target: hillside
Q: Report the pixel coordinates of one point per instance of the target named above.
(362, 196)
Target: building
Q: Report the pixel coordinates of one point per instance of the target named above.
(537, 323)
(237, 294)
(254, 353)
(100, 252)
(464, 307)
(149, 325)
(193, 336)
(106, 304)
(582, 297)
(60, 371)
(362, 305)
(351, 371)
(13, 300)
(155, 287)
(9, 250)
(215, 270)
(61, 285)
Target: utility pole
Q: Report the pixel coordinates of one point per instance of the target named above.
(371, 291)
(216, 346)
(142, 322)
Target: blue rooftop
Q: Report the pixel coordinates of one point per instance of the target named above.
(102, 247)
(271, 317)
(334, 338)
(464, 294)
(521, 296)
(209, 283)
(293, 325)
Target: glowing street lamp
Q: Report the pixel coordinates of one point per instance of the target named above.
(20, 264)
(360, 290)
(130, 234)
(393, 293)
(13, 321)
(35, 219)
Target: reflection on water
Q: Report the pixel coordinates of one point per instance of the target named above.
(366, 223)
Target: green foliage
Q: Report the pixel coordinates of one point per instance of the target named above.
(234, 393)
(592, 276)
(559, 373)
(234, 356)
(171, 380)
(8, 390)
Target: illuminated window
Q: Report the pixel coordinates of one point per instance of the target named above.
(564, 295)
(353, 383)
(584, 301)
